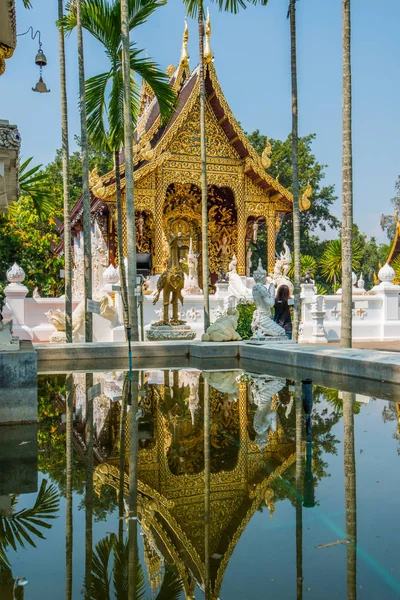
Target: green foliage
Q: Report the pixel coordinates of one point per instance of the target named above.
(53, 171)
(30, 241)
(330, 263)
(307, 263)
(100, 585)
(246, 310)
(24, 525)
(321, 289)
(231, 6)
(36, 185)
(104, 91)
(310, 170)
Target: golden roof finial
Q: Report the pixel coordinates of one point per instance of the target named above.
(184, 53)
(208, 55)
(305, 202)
(170, 70)
(265, 156)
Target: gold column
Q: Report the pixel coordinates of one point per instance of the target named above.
(158, 233)
(241, 224)
(271, 235)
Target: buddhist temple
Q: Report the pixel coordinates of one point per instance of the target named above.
(167, 178)
(8, 32)
(247, 466)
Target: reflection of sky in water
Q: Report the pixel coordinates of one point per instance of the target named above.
(263, 563)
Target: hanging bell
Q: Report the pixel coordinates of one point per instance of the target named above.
(40, 60)
(41, 87)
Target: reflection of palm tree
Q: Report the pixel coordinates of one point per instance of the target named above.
(69, 385)
(22, 526)
(299, 490)
(102, 580)
(350, 494)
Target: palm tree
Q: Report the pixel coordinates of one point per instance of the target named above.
(23, 525)
(331, 261)
(36, 185)
(350, 493)
(87, 241)
(347, 182)
(102, 580)
(65, 169)
(299, 489)
(69, 407)
(295, 169)
(104, 107)
(195, 8)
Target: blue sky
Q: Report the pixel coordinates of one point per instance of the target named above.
(252, 60)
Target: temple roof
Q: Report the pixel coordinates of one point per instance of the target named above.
(152, 137)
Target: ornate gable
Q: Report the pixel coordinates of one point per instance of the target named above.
(187, 140)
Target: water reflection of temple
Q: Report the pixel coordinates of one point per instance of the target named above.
(171, 472)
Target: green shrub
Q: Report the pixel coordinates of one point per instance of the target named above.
(246, 310)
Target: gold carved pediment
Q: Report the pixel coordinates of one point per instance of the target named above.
(187, 140)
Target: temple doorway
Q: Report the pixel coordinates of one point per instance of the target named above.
(182, 213)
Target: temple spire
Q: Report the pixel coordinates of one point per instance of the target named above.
(184, 62)
(208, 55)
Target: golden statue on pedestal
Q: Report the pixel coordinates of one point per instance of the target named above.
(171, 282)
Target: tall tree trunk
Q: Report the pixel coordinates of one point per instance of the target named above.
(87, 241)
(122, 271)
(299, 490)
(350, 493)
(129, 197)
(203, 152)
(69, 384)
(89, 487)
(207, 515)
(133, 485)
(65, 175)
(122, 452)
(347, 182)
(295, 169)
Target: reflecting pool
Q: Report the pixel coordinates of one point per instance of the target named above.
(189, 484)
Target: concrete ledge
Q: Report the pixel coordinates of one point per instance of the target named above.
(365, 364)
(109, 350)
(214, 350)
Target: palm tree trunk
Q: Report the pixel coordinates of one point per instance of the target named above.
(299, 490)
(207, 515)
(129, 197)
(89, 487)
(347, 182)
(133, 485)
(87, 242)
(122, 272)
(203, 152)
(65, 173)
(350, 493)
(295, 168)
(69, 384)
(122, 451)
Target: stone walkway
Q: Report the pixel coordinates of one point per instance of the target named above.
(383, 346)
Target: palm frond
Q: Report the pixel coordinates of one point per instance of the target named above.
(98, 18)
(140, 11)
(34, 183)
(232, 6)
(96, 105)
(307, 263)
(330, 263)
(27, 3)
(15, 530)
(157, 80)
(100, 579)
(172, 585)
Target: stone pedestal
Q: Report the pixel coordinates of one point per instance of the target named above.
(18, 385)
(158, 333)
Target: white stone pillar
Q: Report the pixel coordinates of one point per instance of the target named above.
(318, 313)
(15, 294)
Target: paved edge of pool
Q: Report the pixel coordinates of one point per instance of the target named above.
(368, 364)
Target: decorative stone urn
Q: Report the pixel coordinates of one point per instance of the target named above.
(15, 274)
